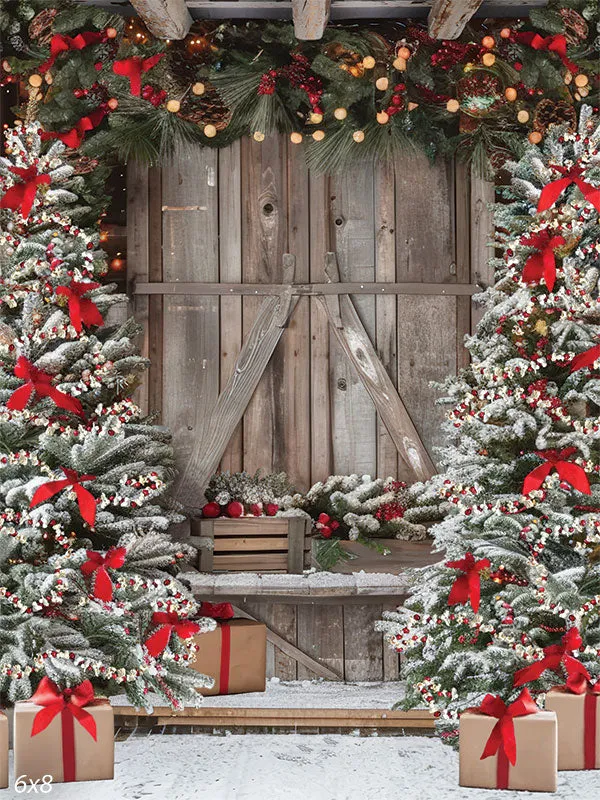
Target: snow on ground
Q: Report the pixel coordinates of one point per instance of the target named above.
(294, 767)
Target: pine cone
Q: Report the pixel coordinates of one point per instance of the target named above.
(207, 109)
(548, 112)
(40, 27)
(576, 28)
(84, 165)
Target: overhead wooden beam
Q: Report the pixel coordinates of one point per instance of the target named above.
(166, 19)
(310, 18)
(447, 18)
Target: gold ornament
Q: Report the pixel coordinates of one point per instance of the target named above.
(403, 52)
(382, 117)
(411, 106)
(488, 59)
(35, 80)
(198, 88)
(452, 105)
(581, 80)
(382, 84)
(488, 42)
(113, 103)
(358, 136)
(315, 119)
(295, 137)
(173, 106)
(48, 78)
(505, 33)
(511, 94)
(210, 131)
(568, 78)
(541, 327)
(318, 136)
(258, 136)
(368, 62)
(523, 116)
(340, 113)
(399, 64)
(535, 137)
(111, 33)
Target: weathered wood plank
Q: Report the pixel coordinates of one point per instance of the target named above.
(242, 562)
(391, 661)
(447, 18)
(166, 19)
(363, 645)
(463, 259)
(482, 228)
(138, 267)
(310, 18)
(321, 636)
(295, 542)
(280, 619)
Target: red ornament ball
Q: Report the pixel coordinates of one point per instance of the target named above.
(211, 510)
(118, 265)
(235, 509)
(271, 509)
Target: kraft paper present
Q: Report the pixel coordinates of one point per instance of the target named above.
(536, 766)
(3, 751)
(42, 754)
(235, 655)
(578, 728)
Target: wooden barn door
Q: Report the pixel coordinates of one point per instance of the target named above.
(226, 218)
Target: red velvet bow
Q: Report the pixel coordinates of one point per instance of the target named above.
(81, 309)
(586, 359)
(552, 191)
(39, 382)
(217, 610)
(61, 43)
(554, 656)
(503, 732)
(133, 68)
(554, 44)
(98, 564)
(168, 621)
(85, 499)
(70, 701)
(21, 195)
(467, 587)
(541, 265)
(558, 460)
(74, 137)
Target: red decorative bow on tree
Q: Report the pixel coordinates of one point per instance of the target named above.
(586, 359)
(81, 309)
(217, 610)
(552, 191)
(97, 565)
(74, 137)
(133, 68)
(541, 265)
(567, 471)
(85, 499)
(467, 587)
(21, 195)
(168, 621)
(553, 44)
(39, 382)
(502, 738)
(554, 656)
(61, 44)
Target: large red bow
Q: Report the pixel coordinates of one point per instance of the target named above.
(39, 382)
(586, 359)
(468, 585)
(168, 621)
(554, 656)
(133, 68)
(21, 195)
(541, 265)
(61, 43)
(502, 737)
(216, 610)
(567, 471)
(552, 191)
(85, 499)
(553, 44)
(55, 701)
(74, 137)
(98, 564)
(81, 309)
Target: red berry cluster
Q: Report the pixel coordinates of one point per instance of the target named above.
(451, 53)
(268, 82)
(389, 511)
(397, 100)
(155, 96)
(299, 76)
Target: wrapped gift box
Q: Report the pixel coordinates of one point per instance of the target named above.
(3, 751)
(235, 655)
(536, 766)
(47, 753)
(578, 728)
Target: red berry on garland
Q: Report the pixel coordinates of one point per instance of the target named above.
(235, 509)
(211, 510)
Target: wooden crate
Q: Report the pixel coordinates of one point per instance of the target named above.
(254, 544)
(403, 555)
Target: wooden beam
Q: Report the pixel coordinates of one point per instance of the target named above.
(305, 289)
(447, 18)
(310, 18)
(166, 19)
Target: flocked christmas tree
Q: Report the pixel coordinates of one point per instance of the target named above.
(87, 570)
(516, 600)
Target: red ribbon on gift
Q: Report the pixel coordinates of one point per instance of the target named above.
(82, 310)
(554, 656)
(567, 471)
(70, 704)
(586, 359)
(74, 137)
(502, 738)
(85, 499)
(467, 587)
(168, 622)
(218, 611)
(541, 265)
(61, 44)
(553, 44)
(98, 565)
(39, 383)
(21, 195)
(553, 190)
(133, 68)
(221, 612)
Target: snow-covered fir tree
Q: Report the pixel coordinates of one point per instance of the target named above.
(521, 543)
(87, 570)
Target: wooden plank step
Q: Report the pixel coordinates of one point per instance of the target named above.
(251, 526)
(243, 562)
(268, 543)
